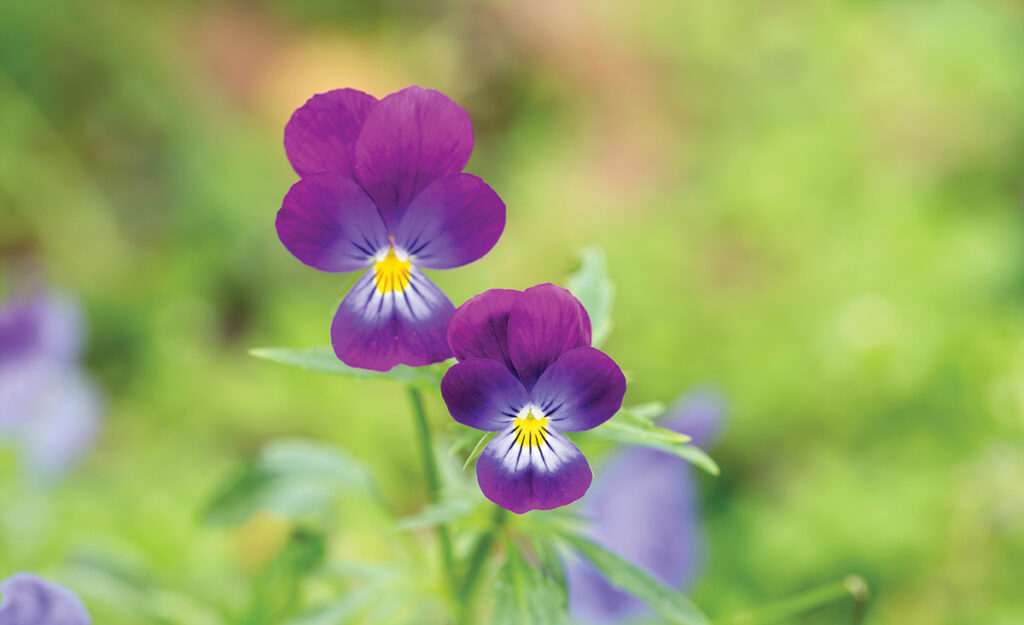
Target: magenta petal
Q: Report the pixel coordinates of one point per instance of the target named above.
(479, 328)
(321, 135)
(374, 330)
(521, 478)
(483, 394)
(581, 390)
(545, 322)
(410, 139)
(454, 221)
(328, 222)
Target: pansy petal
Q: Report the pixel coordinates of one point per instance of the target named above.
(63, 425)
(479, 328)
(321, 135)
(698, 414)
(31, 600)
(545, 322)
(378, 328)
(454, 221)
(409, 140)
(581, 390)
(483, 394)
(645, 508)
(329, 223)
(520, 476)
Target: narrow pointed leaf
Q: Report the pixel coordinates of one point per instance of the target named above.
(524, 594)
(323, 360)
(675, 607)
(591, 286)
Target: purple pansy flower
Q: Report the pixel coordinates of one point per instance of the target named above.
(26, 599)
(382, 190)
(527, 372)
(646, 508)
(47, 406)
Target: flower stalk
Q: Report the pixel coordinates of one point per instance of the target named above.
(433, 482)
(852, 586)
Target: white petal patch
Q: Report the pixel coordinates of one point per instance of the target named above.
(517, 453)
(416, 302)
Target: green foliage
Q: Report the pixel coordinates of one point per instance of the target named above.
(336, 612)
(525, 593)
(632, 427)
(323, 360)
(591, 285)
(672, 605)
(293, 478)
(276, 590)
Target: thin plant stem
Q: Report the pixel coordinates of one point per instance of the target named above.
(851, 587)
(479, 555)
(433, 482)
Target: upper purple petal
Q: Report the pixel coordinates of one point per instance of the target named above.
(409, 140)
(454, 221)
(321, 135)
(483, 394)
(521, 478)
(479, 328)
(31, 600)
(328, 222)
(545, 322)
(581, 390)
(374, 330)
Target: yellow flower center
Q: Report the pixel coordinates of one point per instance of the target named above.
(391, 273)
(530, 429)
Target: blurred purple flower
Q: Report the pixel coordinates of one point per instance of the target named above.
(526, 370)
(26, 599)
(382, 190)
(646, 508)
(47, 406)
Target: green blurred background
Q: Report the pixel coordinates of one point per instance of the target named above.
(812, 206)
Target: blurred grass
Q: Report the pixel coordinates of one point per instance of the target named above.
(812, 206)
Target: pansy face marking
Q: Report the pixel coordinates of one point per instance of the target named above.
(526, 371)
(391, 273)
(382, 191)
(530, 427)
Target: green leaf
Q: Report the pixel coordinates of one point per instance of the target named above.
(477, 450)
(626, 424)
(335, 612)
(590, 285)
(672, 605)
(437, 514)
(275, 590)
(127, 589)
(648, 411)
(632, 426)
(291, 477)
(524, 594)
(323, 360)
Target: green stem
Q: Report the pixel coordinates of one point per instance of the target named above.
(478, 557)
(852, 586)
(433, 481)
